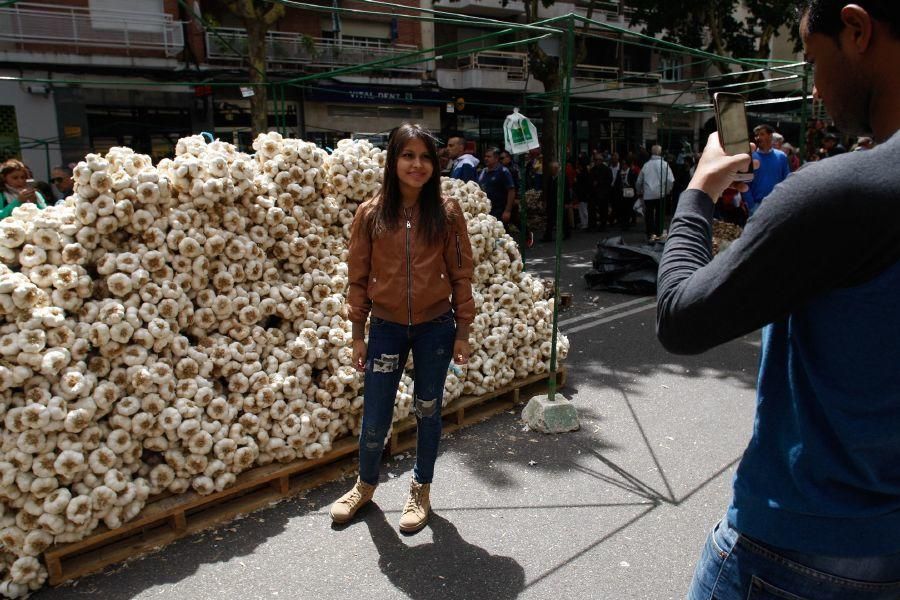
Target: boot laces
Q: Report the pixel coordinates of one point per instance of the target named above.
(415, 498)
(354, 497)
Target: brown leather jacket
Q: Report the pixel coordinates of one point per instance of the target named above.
(403, 279)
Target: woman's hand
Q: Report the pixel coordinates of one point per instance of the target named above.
(26, 195)
(359, 355)
(461, 351)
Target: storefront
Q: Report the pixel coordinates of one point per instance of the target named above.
(149, 121)
(332, 113)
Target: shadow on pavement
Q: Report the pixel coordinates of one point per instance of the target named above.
(448, 568)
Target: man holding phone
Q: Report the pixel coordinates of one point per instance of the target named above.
(815, 511)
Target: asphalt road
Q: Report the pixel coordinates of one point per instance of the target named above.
(616, 510)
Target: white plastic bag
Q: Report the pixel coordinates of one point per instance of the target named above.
(519, 133)
(638, 206)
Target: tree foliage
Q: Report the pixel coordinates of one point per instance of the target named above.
(715, 26)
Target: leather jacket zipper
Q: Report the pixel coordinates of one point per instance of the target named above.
(408, 268)
(458, 253)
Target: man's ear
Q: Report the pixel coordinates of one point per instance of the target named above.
(858, 25)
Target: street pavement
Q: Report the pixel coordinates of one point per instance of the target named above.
(617, 510)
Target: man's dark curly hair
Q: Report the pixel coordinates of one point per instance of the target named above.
(824, 16)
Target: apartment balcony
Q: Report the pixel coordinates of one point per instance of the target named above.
(508, 71)
(490, 69)
(482, 8)
(37, 32)
(287, 50)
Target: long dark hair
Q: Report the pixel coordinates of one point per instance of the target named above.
(432, 212)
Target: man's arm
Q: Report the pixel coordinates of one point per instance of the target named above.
(778, 263)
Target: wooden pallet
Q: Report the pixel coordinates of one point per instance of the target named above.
(168, 518)
(469, 410)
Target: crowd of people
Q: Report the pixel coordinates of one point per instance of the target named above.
(601, 190)
(604, 189)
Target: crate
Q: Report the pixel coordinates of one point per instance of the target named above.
(168, 518)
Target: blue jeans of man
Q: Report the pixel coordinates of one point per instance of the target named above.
(735, 567)
(389, 346)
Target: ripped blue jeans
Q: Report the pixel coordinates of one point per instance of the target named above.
(389, 346)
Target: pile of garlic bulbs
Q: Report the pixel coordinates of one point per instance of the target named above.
(168, 327)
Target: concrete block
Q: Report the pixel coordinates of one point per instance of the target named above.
(550, 416)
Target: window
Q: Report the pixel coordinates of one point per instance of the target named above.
(133, 15)
(671, 69)
(357, 33)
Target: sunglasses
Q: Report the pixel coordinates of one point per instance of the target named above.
(57, 180)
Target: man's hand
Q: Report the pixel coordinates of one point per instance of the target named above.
(506, 216)
(359, 355)
(717, 171)
(461, 351)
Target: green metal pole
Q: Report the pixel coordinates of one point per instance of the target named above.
(562, 140)
(282, 121)
(802, 147)
(523, 205)
(47, 155)
(662, 171)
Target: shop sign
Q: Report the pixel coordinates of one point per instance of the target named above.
(372, 96)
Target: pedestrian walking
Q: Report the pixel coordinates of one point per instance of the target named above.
(463, 166)
(410, 266)
(16, 189)
(583, 193)
(815, 510)
(601, 184)
(550, 205)
(654, 183)
(497, 182)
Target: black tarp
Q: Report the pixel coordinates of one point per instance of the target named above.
(620, 267)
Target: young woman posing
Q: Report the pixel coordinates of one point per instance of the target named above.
(410, 265)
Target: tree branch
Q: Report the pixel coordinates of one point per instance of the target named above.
(275, 13)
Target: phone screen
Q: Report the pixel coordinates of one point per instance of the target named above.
(733, 131)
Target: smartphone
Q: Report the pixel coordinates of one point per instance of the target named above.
(29, 183)
(734, 134)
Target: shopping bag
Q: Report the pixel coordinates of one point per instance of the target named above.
(519, 133)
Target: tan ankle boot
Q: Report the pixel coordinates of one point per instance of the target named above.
(418, 507)
(346, 506)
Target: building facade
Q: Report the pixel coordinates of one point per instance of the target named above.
(91, 74)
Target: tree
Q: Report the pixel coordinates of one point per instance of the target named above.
(712, 26)
(257, 17)
(548, 70)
